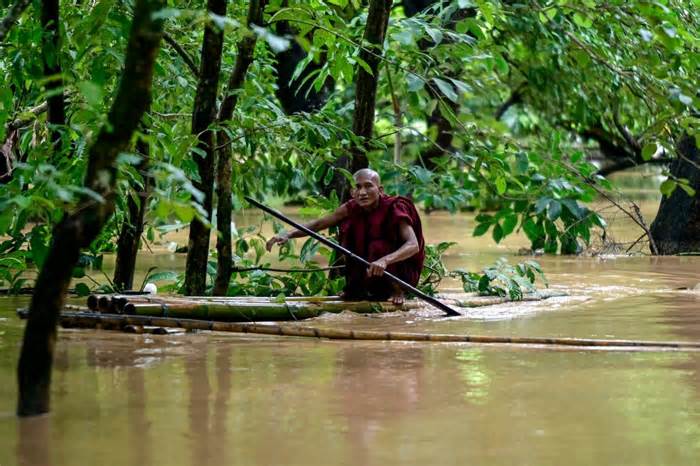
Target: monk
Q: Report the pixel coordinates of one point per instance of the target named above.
(384, 230)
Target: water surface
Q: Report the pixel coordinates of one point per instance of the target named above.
(215, 399)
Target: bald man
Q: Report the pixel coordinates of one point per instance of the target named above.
(384, 230)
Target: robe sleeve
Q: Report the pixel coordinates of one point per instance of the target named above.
(403, 210)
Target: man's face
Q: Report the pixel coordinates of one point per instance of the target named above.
(367, 191)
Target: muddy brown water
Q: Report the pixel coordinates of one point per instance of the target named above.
(219, 399)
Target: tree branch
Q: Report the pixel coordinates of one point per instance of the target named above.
(186, 57)
(12, 16)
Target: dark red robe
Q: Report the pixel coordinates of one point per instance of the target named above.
(373, 235)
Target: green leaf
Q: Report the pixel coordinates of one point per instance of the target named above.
(532, 231)
(481, 229)
(667, 187)
(649, 150)
(509, 223)
(500, 185)
(6, 217)
(365, 66)
(414, 83)
(81, 289)
(92, 93)
(553, 210)
(541, 204)
(447, 89)
(435, 35)
(497, 233)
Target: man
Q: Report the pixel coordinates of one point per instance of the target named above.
(384, 230)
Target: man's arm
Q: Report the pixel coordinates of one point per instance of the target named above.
(322, 223)
(407, 249)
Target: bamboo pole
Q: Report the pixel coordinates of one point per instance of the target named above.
(116, 303)
(84, 319)
(239, 311)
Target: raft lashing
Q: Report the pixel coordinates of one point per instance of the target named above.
(262, 309)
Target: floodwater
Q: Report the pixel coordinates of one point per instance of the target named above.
(214, 399)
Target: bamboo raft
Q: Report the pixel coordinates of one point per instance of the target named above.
(252, 308)
(119, 322)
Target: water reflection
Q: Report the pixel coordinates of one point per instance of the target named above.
(376, 388)
(198, 404)
(139, 425)
(34, 441)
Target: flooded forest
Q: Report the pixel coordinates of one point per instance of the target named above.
(349, 231)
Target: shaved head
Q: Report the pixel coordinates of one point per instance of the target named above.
(367, 173)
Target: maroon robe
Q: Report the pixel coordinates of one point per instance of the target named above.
(373, 235)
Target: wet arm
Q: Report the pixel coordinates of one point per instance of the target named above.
(328, 221)
(322, 223)
(409, 247)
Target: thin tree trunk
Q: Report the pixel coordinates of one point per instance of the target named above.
(80, 228)
(132, 228)
(246, 47)
(443, 129)
(203, 115)
(294, 96)
(51, 43)
(676, 228)
(365, 94)
(12, 16)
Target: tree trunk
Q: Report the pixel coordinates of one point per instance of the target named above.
(365, 94)
(442, 125)
(81, 227)
(293, 96)
(132, 228)
(443, 129)
(203, 115)
(676, 228)
(246, 47)
(51, 43)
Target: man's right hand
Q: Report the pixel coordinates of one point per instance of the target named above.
(280, 239)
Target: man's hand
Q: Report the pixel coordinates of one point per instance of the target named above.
(376, 268)
(280, 239)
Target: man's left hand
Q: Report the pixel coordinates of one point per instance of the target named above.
(376, 268)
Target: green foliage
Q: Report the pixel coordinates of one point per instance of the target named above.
(434, 269)
(503, 279)
(525, 172)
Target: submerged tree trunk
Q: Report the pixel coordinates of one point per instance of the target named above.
(51, 44)
(132, 228)
(203, 115)
(81, 227)
(365, 94)
(676, 228)
(246, 47)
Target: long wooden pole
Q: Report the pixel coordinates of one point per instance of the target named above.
(87, 319)
(405, 286)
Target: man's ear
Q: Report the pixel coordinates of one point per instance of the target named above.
(381, 190)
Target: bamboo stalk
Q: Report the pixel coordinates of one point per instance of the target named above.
(239, 311)
(119, 303)
(93, 319)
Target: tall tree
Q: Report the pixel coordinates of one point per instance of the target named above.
(132, 228)
(51, 44)
(676, 228)
(203, 115)
(365, 93)
(246, 48)
(79, 228)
